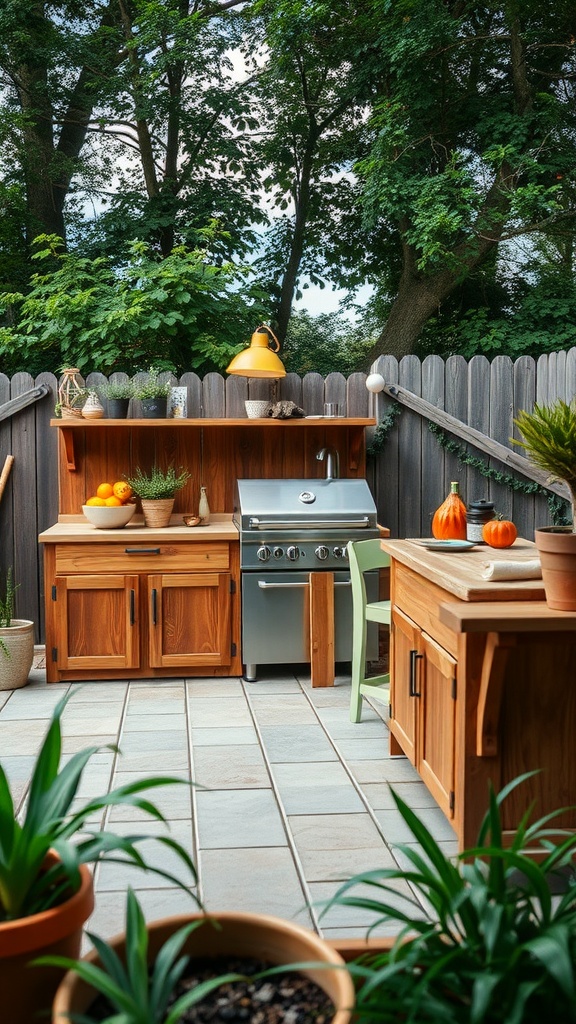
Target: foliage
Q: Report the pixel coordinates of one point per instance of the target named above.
(151, 386)
(550, 442)
(138, 994)
(103, 315)
(54, 815)
(158, 483)
(117, 389)
(7, 601)
(494, 945)
(323, 344)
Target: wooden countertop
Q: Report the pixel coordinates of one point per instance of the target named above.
(513, 617)
(74, 529)
(460, 572)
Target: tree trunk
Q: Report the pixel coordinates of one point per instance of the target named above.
(290, 277)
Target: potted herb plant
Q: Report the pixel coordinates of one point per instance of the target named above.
(118, 394)
(152, 394)
(550, 443)
(494, 945)
(144, 979)
(16, 641)
(157, 490)
(46, 890)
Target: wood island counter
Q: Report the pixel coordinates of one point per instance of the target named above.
(483, 684)
(140, 602)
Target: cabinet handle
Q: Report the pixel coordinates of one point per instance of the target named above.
(412, 691)
(141, 551)
(154, 606)
(132, 615)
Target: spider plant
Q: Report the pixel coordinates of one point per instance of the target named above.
(550, 442)
(52, 819)
(494, 946)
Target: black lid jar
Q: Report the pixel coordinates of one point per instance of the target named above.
(478, 513)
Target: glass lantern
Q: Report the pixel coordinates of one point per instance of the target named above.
(71, 393)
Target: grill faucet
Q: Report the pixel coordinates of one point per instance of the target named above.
(332, 462)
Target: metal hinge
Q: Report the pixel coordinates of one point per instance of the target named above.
(454, 688)
(232, 586)
(233, 650)
(53, 591)
(54, 654)
(451, 800)
(390, 711)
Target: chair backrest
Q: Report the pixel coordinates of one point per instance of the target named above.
(364, 555)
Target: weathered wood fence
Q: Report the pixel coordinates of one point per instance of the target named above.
(409, 476)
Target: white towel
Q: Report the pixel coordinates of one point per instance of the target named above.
(501, 570)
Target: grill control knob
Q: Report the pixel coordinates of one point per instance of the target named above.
(292, 553)
(263, 554)
(322, 552)
(278, 552)
(338, 552)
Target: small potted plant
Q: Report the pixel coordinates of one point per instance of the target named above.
(118, 394)
(46, 889)
(152, 394)
(486, 941)
(16, 641)
(550, 443)
(157, 490)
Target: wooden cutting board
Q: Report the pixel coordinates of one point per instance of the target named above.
(460, 572)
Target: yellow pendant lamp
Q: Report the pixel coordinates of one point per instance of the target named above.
(260, 358)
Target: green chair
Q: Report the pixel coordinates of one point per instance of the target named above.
(364, 555)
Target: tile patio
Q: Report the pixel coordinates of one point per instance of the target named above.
(289, 799)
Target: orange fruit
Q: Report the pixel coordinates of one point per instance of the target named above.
(95, 501)
(104, 491)
(112, 501)
(122, 490)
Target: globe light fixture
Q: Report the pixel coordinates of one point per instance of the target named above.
(260, 359)
(375, 383)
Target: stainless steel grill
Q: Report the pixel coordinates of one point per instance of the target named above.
(288, 529)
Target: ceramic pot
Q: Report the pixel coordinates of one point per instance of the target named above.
(256, 408)
(254, 935)
(118, 408)
(93, 408)
(16, 653)
(154, 408)
(557, 549)
(157, 512)
(27, 992)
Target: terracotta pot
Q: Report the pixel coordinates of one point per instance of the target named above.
(16, 653)
(256, 935)
(27, 992)
(557, 549)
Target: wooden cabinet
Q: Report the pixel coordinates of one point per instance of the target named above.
(423, 706)
(176, 612)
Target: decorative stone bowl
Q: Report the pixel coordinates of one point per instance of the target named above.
(256, 409)
(108, 518)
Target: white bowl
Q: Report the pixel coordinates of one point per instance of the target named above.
(256, 409)
(105, 517)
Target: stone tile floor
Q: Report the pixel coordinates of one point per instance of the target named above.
(290, 797)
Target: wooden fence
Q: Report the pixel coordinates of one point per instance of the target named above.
(409, 476)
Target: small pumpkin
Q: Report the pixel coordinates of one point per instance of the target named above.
(449, 521)
(499, 533)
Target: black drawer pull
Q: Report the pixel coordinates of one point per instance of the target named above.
(154, 607)
(412, 691)
(132, 608)
(142, 551)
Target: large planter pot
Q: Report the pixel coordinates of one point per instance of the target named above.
(154, 408)
(157, 513)
(118, 408)
(253, 935)
(557, 549)
(16, 653)
(27, 992)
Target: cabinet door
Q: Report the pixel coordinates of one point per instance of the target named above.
(436, 726)
(189, 619)
(96, 622)
(405, 682)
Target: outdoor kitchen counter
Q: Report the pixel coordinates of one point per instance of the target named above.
(482, 684)
(72, 529)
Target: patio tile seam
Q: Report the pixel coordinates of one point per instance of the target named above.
(117, 753)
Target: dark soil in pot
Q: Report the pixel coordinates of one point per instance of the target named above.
(289, 998)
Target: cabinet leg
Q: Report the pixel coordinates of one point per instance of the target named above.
(395, 749)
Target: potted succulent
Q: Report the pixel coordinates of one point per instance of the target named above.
(118, 394)
(497, 943)
(157, 490)
(16, 641)
(144, 979)
(152, 394)
(550, 443)
(46, 890)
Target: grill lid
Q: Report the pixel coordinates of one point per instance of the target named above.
(303, 504)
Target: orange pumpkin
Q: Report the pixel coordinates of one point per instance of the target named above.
(499, 533)
(449, 522)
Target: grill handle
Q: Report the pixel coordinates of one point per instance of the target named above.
(263, 585)
(254, 523)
